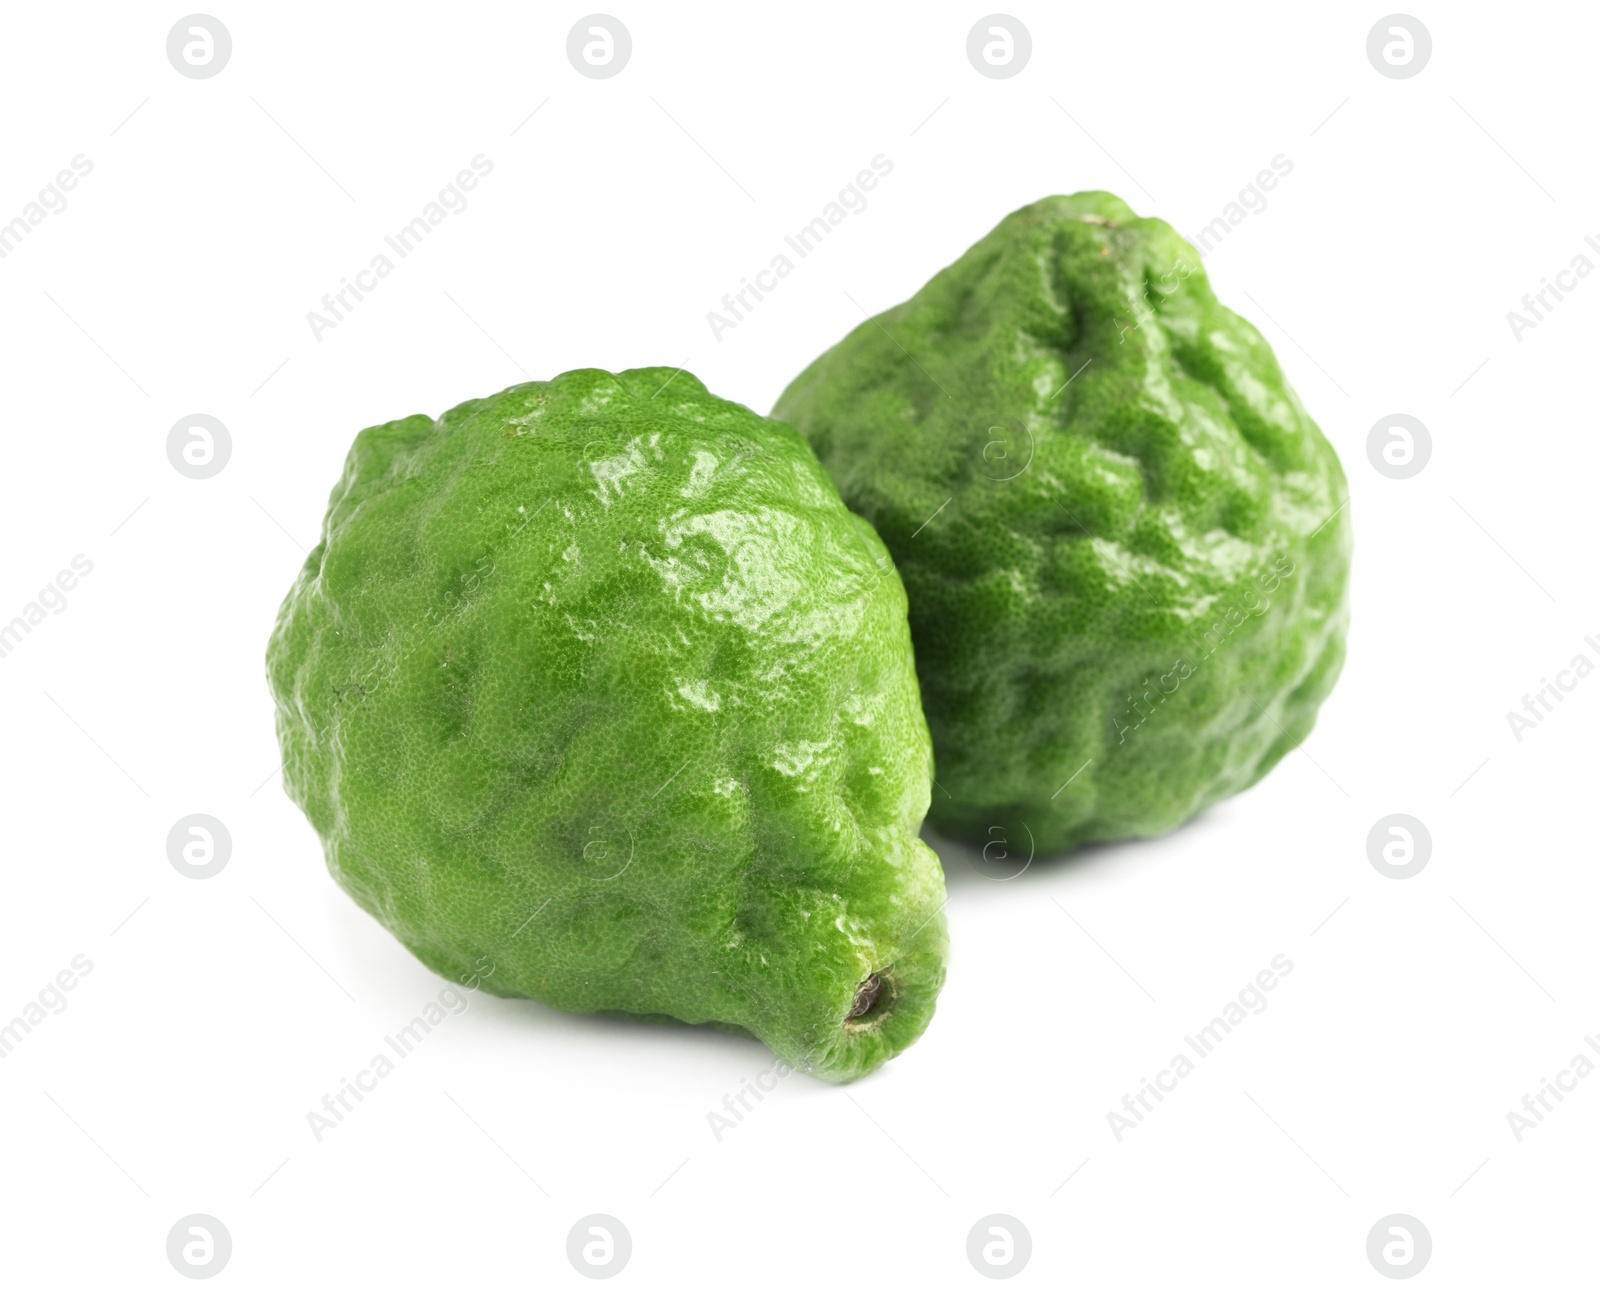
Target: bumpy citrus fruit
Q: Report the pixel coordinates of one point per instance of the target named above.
(1123, 539)
(596, 692)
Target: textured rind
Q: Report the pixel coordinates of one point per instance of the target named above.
(596, 683)
(1123, 539)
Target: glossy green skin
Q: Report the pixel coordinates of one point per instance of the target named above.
(595, 691)
(1127, 580)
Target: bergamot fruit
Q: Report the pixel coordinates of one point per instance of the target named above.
(596, 692)
(1123, 539)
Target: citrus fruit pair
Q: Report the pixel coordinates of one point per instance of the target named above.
(597, 691)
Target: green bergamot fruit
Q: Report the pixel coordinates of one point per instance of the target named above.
(597, 684)
(1124, 541)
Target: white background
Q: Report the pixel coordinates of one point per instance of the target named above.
(178, 280)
